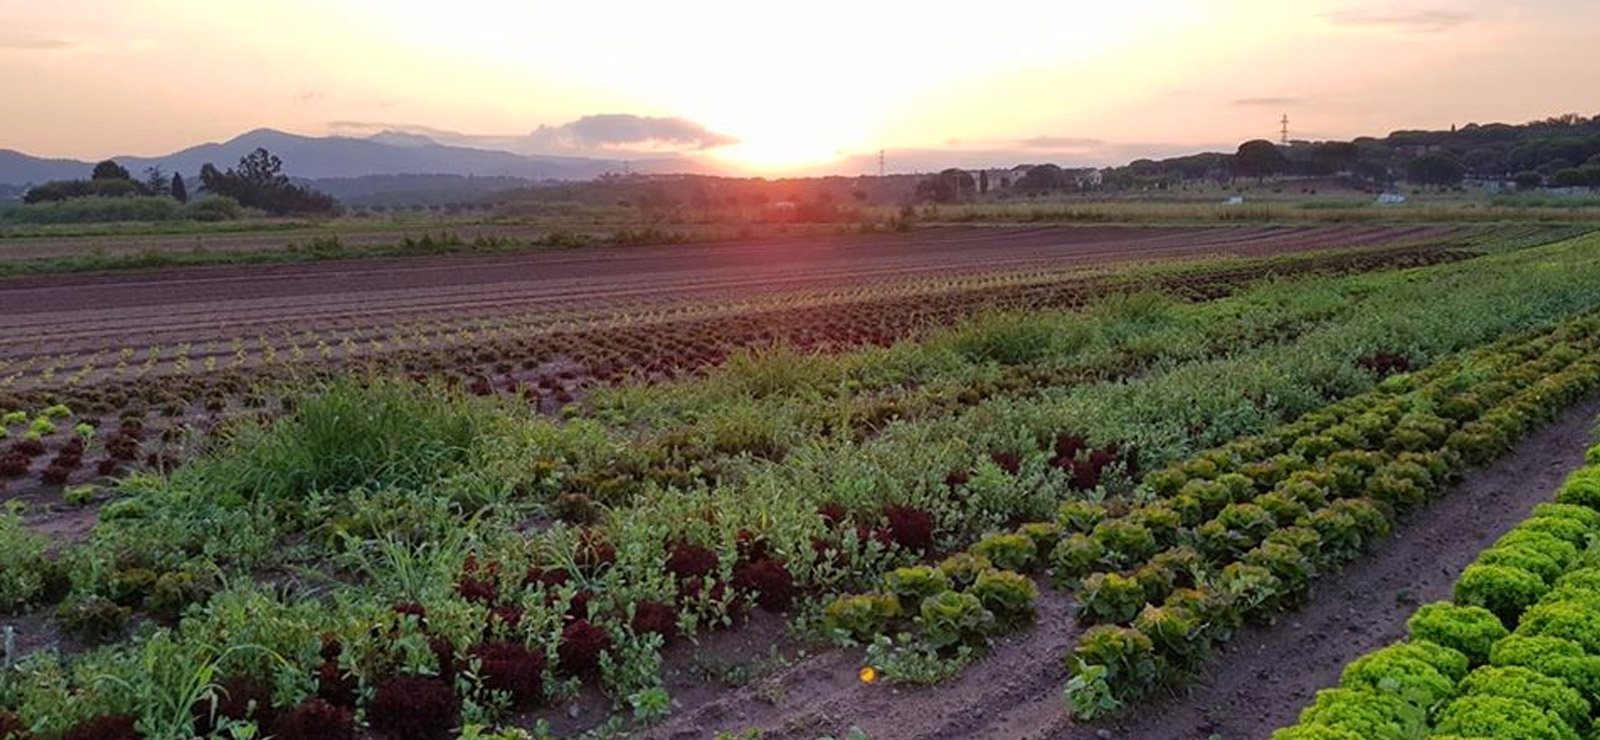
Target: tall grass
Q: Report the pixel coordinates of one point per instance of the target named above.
(366, 433)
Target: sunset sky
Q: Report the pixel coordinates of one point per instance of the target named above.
(818, 85)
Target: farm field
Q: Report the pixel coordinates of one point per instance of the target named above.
(1033, 480)
(192, 345)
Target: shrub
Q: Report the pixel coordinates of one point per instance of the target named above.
(414, 708)
(770, 582)
(911, 528)
(1006, 594)
(1316, 732)
(1180, 643)
(912, 585)
(1075, 556)
(1500, 718)
(1161, 521)
(950, 618)
(95, 619)
(1007, 551)
(315, 719)
(1234, 531)
(1291, 567)
(1571, 531)
(110, 727)
(655, 617)
(691, 562)
(1516, 682)
(1110, 598)
(861, 616)
(1582, 514)
(1472, 630)
(1525, 558)
(963, 568)
(1559, 551)
(1582, 488)
(1408, 677)
(1045, 535)
(25, 571)
(1080, 516)
(1577, 622)
(1372, 715)
(512, 669)
(1125, 542)
(1128, 656)
(581, 645)
(11, 728)
(1504, 590)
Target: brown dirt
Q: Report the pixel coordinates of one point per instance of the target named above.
(1257, 683)
(108, 312)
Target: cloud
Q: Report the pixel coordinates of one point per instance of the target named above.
(1415, 21)
(35, 44)
(1269, 102)
(1060, 142)
(307, 97)
(621, 130)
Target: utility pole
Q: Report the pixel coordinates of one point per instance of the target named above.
(1284, 140)
(880, 163)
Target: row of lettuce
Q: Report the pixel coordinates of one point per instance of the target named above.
(1514, 656)
(1238, 532)
(384, 548)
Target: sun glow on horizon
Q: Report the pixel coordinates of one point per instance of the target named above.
(799, 89)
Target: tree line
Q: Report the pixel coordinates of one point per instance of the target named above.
(256, 182)
(1562, 151)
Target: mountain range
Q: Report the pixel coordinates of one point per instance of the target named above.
(321, 157)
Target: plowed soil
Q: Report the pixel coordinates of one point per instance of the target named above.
(113, 311)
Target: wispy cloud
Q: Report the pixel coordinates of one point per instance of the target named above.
(1415, 21)
(1270, 102)
(1058, 143)
(597, 135)
(307, 97)
(610, 130)
(9, 43)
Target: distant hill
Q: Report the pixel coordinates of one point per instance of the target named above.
(316, 158)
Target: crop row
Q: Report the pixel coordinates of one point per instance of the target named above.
(550, 360)
(1514, 656)
(370, 499)
(1243, 531)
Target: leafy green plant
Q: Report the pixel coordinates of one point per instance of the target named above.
(1110, 598)
(913, 584)
(26, 571)
(861, 616)
(950, 619)
(1504, 590)
(1008, 595)
(1472, 630)
(1487, 716)
(1007, 551)
(1127, 659)
(1371, 715)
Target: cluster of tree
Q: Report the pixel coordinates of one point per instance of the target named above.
(111, 180)
(258, 182)
(1530, 154)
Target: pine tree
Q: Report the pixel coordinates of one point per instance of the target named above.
(179, 190)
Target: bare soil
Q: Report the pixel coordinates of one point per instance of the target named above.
(113, 311)
(1258, 682)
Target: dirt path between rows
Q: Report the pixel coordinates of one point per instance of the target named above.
(1258, 682)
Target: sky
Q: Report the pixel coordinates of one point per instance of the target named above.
(765, 88)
